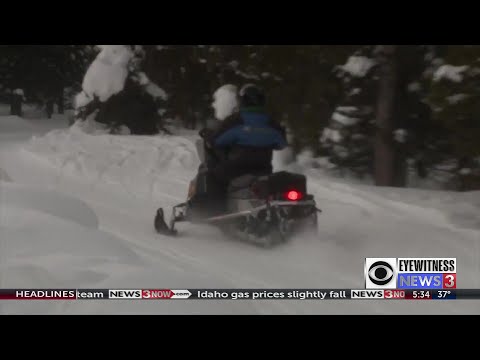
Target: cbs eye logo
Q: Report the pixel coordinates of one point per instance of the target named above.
(380, 273)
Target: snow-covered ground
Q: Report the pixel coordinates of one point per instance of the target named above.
(77, 206)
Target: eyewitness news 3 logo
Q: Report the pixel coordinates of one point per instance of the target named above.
(410, 273)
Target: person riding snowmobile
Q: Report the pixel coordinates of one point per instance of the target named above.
(242, 144)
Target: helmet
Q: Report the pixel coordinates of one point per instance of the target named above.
(252, 95)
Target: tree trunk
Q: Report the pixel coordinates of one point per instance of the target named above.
(384, 146)
(400, 114)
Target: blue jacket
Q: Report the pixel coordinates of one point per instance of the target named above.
(252, 129)
(248, 138)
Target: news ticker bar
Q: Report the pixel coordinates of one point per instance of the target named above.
(238, 294)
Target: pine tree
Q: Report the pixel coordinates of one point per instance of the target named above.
(137, 104)
(41, 73)
(379, 124)
(455, 99)
(302, 88)
(347, 139)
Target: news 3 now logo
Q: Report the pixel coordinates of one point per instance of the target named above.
(410, 273)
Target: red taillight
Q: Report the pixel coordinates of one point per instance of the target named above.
(293, 195)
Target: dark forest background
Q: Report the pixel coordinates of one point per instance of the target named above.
(379, 111)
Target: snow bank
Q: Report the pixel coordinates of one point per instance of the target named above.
(107, 74)
(47, 202)
(15, 124)
(4, 109)
(444, 209)
(4, 176)
(30, 111)
(43, 251)
(40, 250)
(139, 165)
(225, 101)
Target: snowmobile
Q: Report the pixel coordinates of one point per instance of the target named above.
(262, 209)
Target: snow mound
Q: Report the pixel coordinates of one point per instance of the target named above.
(47, 202)
(139, 165)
